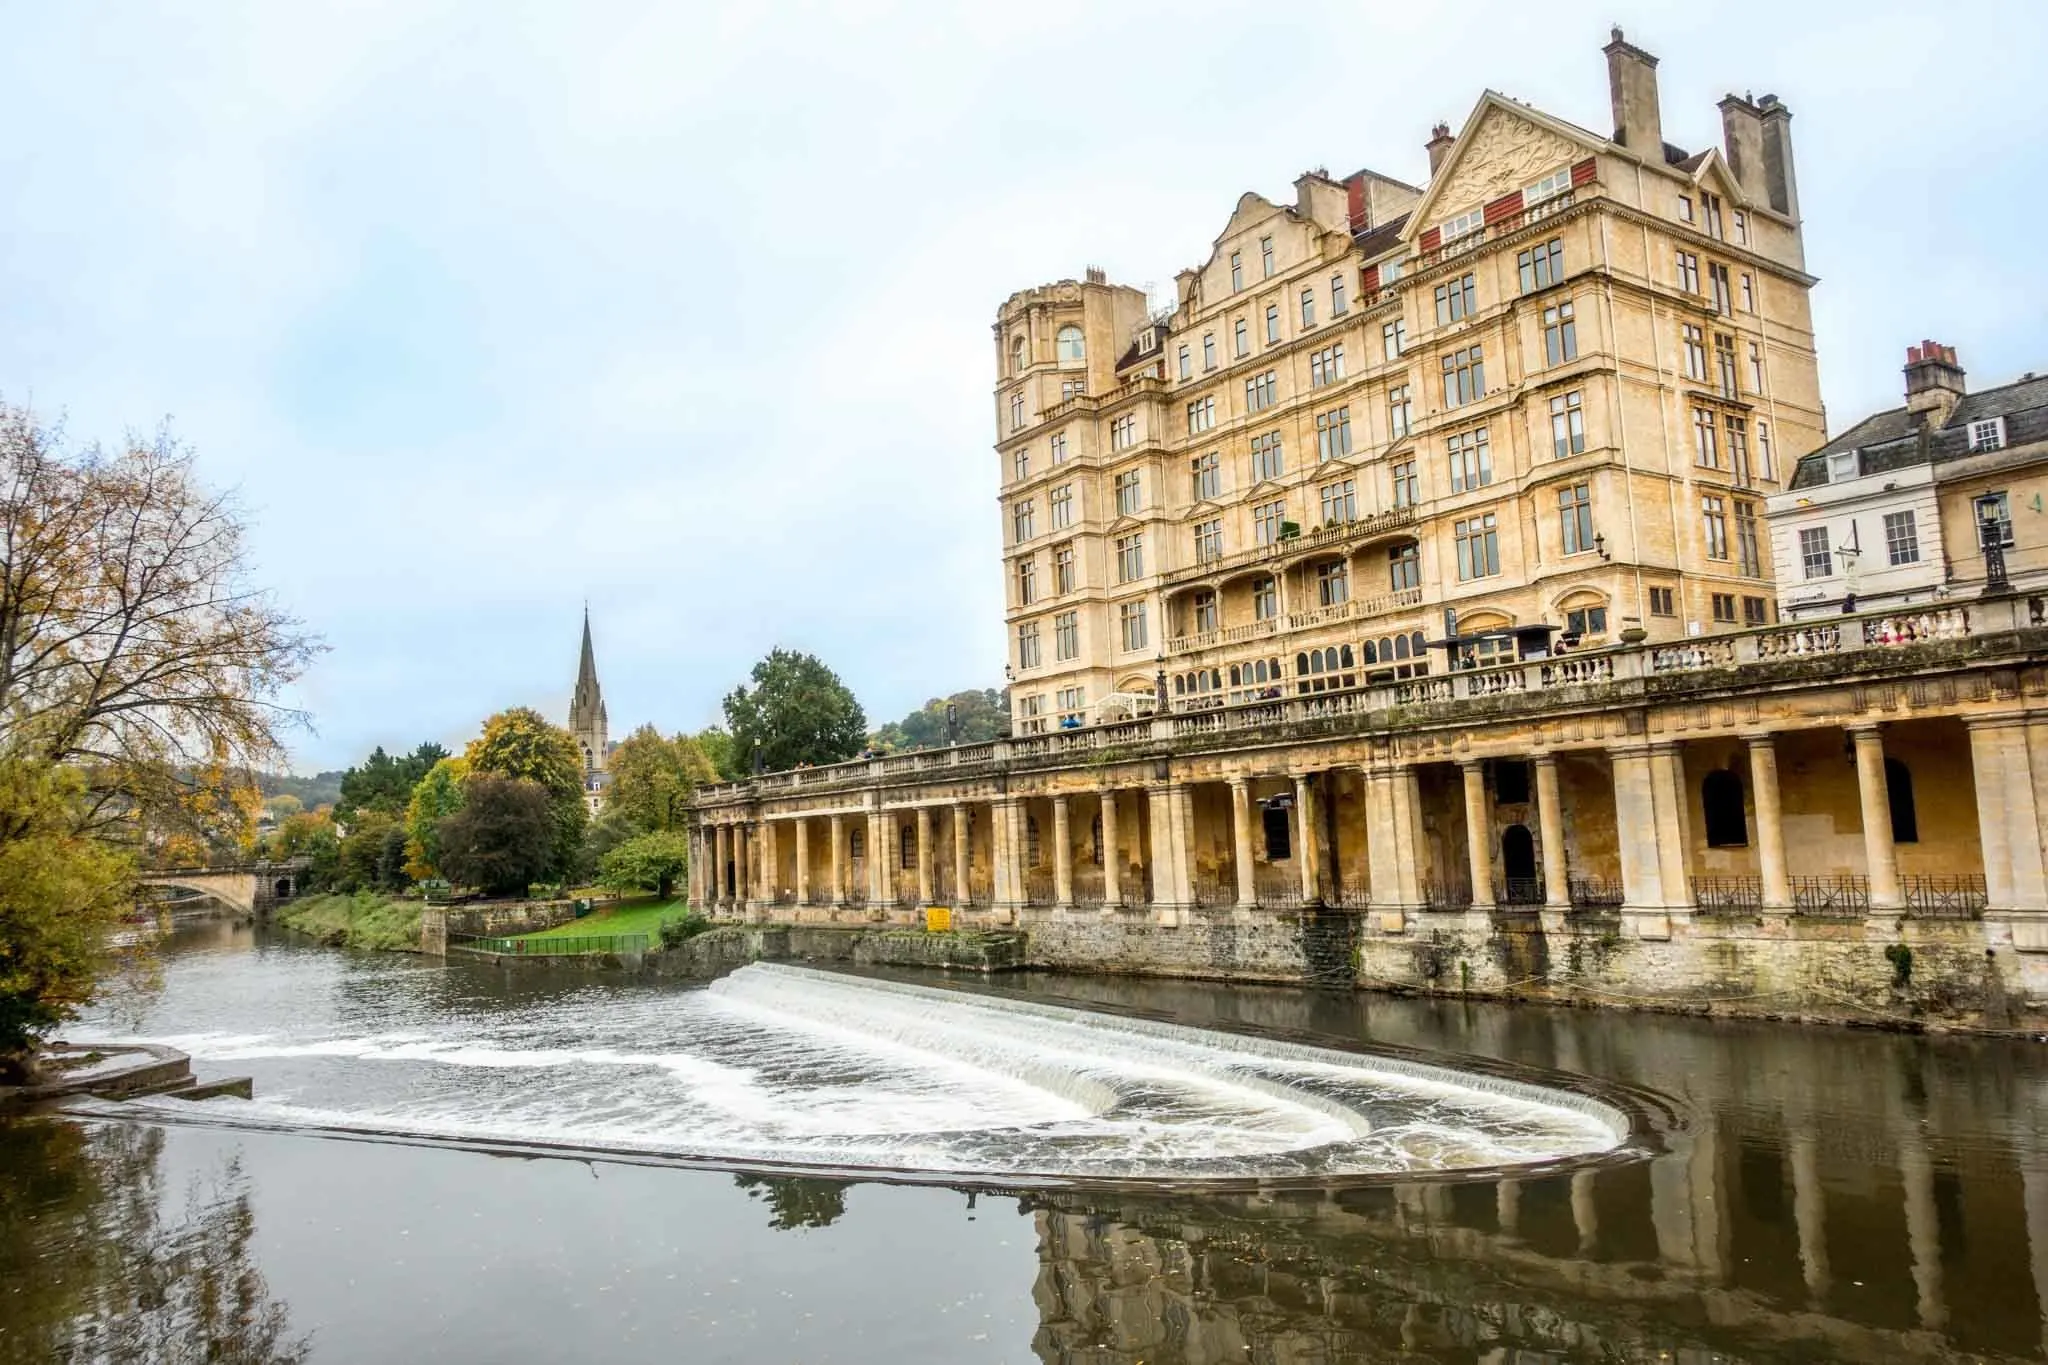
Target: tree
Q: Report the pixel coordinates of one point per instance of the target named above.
(139, 681)
(384, 783)
(520, 744)
(437, 796)
(651, 862)
(501, 840)
(716, 742)
(372, 855)
(978, 717)
(652, 777)
(796, 712)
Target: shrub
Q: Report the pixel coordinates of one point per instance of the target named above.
(676, 932)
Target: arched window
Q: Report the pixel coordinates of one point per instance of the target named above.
(1301, 663)
(1180, 685)
(1348, 658)
(1372, 654)
(1017, 354)
(1721, 800)
(1400, 646)
(856, 845)
(1235, 681)
(1071, 349)
(1898, 787)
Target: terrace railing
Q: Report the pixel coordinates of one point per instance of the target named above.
(1728, 896)
(549, 945)
(1839, 896)
(1958, 897)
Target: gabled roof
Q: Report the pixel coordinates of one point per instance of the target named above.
(1491, 101)
(1894, 439)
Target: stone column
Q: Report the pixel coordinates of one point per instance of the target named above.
(1241, 842)
(1305, 832)
(881, 864)
(721, 859)
(1478, 833)
(1635, 823)
(1879, 856)
(750, 872)
(1411, 847)
(697, 866)
(1062, 853)
(926, 878)
(838, 892)
(1770, 822)
(963, 855)
(1557, 891)
(803, 860)
(1112, 853)
(1009, 863)
(2009, 762)
(1171, 892)
(1667, 776)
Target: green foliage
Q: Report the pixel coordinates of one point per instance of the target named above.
(60, 893)
(650, 862)
(383, 783)
(796, 712)
(797, 1201)
(503, 837)
(520, 744)
(978, 717)
(435, 797)
(372, 855)
(605, 833)
(716, 742)
(360, 920)
(652, 778)
(321, 789)
(544, 891)
(1900, 955)
(676, 932)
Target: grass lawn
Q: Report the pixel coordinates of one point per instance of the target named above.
(644, 915)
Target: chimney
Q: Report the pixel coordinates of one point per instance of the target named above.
(1742, 141)
(1934, 383)
(1439, 146)
(1781, 185)
(1632, 85)
(1096, 275)
(1355, 209)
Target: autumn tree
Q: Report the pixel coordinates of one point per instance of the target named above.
(522, 745)
(435, 797)
(652, 778)
(796, 711)
(501, 839)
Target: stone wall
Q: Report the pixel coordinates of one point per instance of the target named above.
(713, 954)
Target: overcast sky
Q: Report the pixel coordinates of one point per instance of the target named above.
(489, 308)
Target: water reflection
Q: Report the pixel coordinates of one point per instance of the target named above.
(103, 1261)
(797, 1201)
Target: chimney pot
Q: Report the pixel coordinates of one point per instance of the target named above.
(1439, 146)
(1632, 87)
(1935, 383)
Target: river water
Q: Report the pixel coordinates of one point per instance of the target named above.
(442, 1164)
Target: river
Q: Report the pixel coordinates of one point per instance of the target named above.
(1806, 1194)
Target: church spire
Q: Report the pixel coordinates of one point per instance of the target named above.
(587, 721)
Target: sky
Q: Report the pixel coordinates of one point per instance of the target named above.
(490, 309)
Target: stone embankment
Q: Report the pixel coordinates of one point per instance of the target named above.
(122, 1072)
(719, 951)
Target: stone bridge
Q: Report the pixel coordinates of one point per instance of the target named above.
(253, 888)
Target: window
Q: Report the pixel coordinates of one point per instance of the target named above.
(1266, 257)
(1901, 538)
(1749, 558)
(1017, 355)
(1711, 205)
(1059, 448)
(1020, 465)
(1400, 412)
(1205, 612)
(1016, 411)
(1988, 434)
(1333, 584)
(1123, 432)
(1898, 790)
(1072, 701)
(1756, 368)
(1737, 431)
(1236, 271)
(1023, 521)
(1333, 435)
(1207, 476)
(1813, 552)
(1391, 269)
(1202, 414)
(1560, 334)
(1279, 837)
(1724, 365)
(1662, 602)
(1586, 621)
(1061, 502)
(1404, 567)
(1464, 376)
(1261, 393)
(1265, 599)
(1407, 484)
(1575, 516)
(1027, 645)
(1272, 324)
(1456, 300)
(1994, 521)
(1466, 224)
(1763, 451)
(1069, 346)
(1706, 443)
(1326, 366)
(1130, 557)
(1714, 524)
(1748, 292)
(1755, 612)
(1268, 461)
(1240, 339)
(1130, 493)
(1717, 276)
(1843, 464)
(1187, 363)
(1721, 804)
(1340, 502)
(1266, 520)
(1567, 425)
(1308, 307)
(1063, 569)
(1208, 540)
(1684, 208)
(1131, 621)
(1028, 709)
(1027, 582)
(1471, 460)
(1394, 338)
(1723, 604)
(1208, 350)
(1549, 187)
(1338, 307)
(1478, 547)
(1541, 266)
(1695, 353)
(1688, 272)
(1066, 635)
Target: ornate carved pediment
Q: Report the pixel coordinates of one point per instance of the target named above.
(1503, 153)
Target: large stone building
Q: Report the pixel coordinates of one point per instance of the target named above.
(1935, 501)
(1383, 424)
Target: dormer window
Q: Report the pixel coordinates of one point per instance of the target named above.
(1842, 466)
(1988, 434)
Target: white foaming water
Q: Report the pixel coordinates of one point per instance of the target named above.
(780, 1064)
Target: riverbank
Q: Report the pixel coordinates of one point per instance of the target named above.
(363, 920)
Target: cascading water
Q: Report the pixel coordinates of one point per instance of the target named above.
(784, 1066)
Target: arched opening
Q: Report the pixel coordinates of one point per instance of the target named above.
(1898, 788)
(1517, 854)
(1017, 355)
(1071, 349)
(1721, 801)
(283, 889)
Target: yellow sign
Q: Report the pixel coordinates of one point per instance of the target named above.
(938, 919)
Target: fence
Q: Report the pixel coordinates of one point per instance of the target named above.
(1962, 897)
(1728, 896)
(550, 945)
(1839, 897)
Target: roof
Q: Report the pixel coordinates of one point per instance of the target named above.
(1138, 351)
(1893, 439)
(1377, 241)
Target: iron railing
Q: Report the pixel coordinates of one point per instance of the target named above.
(1446, 893)
(1595, 895)
(550, 945)
(1089, 886)
(1840, 896)
(906, 888)
(978, 896)
(1728, 895)
(1211, 894)
(1958, 897)
(1272, 890)
(856, 895)
(1038, 888)
(1518, 892)
(1350, 896)
(785, 897)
